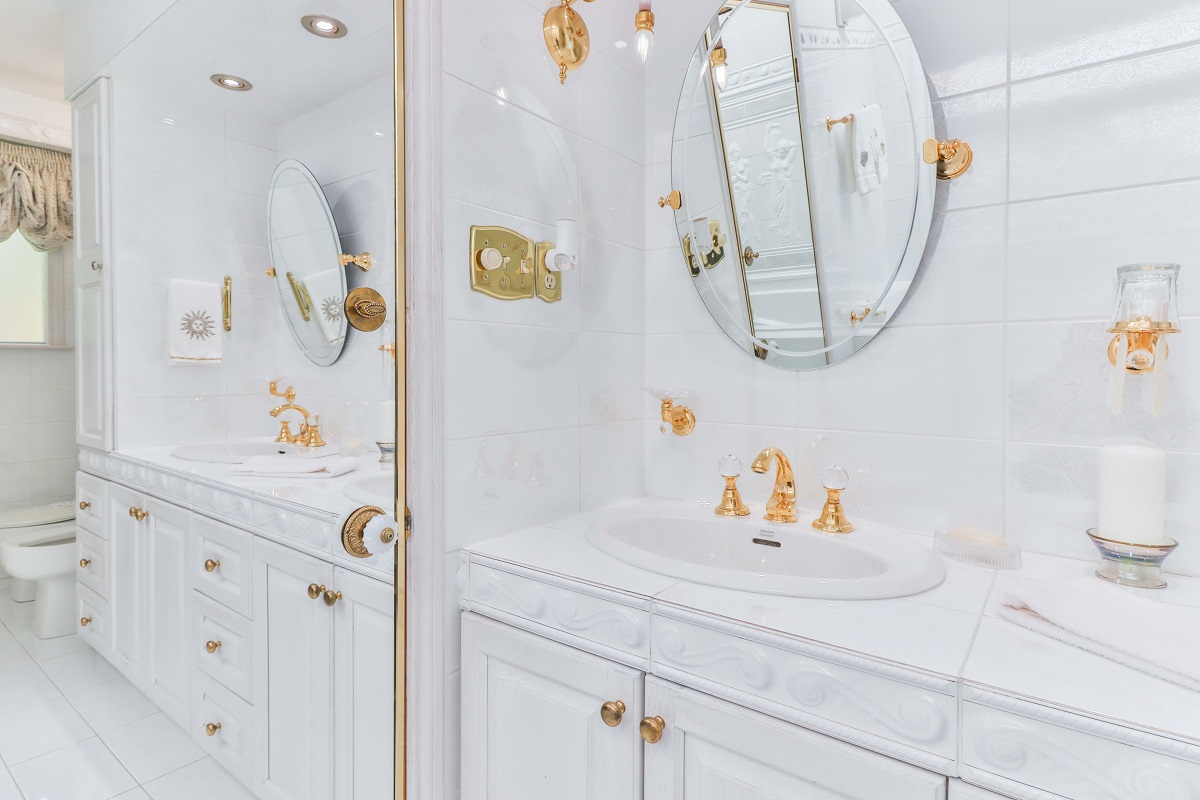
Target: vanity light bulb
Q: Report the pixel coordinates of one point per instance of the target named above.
(721, 76)
(644, 41)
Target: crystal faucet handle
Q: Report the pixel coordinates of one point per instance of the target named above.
(835, 478)
(731, 467)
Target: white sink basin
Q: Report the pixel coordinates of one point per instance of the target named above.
(376, 490)
(753, 555)
(243, 451)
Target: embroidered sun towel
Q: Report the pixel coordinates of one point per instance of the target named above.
(870, 149)
(194, 322)
(325, 289)
(1156, 638)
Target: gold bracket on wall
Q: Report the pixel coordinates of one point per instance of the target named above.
(567, 38)
(508, 266)
(953, 157)
(366, 310)
(227, 303)
(673, 199)
(680, 418)
(362, 261)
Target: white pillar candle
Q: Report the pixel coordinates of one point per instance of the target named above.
(1133, 494)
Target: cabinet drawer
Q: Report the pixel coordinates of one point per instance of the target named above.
(220, 564)
(1022, 745)
(229, 663)
(93, 608)
(92, 567)
(232, 745)
(89, 504)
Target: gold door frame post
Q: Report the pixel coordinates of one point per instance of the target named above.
(400, 317)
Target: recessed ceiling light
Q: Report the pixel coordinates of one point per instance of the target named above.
(321, 25)
(232, 82)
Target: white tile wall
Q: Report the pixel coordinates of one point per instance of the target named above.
(38, 456)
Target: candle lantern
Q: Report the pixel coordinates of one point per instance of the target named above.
(1147, 308)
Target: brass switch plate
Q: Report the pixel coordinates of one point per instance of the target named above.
(515, 276)
(549, 283)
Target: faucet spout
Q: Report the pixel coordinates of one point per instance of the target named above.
(285, 430)
(782, 505)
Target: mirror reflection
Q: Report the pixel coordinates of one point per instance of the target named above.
(806, 204)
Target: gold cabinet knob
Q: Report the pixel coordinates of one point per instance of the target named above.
(84, 505)
(97, 266)
(652, 729)
(331, 597)
(315, 591)
(212, 647)
(612, 712)
(212, 728)
(133, 512)
(138, 513)
(211, 566)
(84, 562)
(85, 621)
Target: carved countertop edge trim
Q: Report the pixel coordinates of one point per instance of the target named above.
(554, 634)
(635, 601)
(878, 744)
(1079, 721)
(995, 783)
(945, 685)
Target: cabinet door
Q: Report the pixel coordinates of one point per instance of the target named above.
(364, 705)
(166, 609)
(293, 696)
(531, 723)
(93, 284)
(125, 569)
(712, 749)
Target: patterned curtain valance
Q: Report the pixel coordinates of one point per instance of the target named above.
(35, 195)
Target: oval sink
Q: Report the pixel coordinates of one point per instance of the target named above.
(243, 451)
(376, 490)
(753, 555)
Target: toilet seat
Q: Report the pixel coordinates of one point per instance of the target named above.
(19, 521)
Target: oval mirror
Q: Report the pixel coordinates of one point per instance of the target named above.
(806, 203)
(305, 251)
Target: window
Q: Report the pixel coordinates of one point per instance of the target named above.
(29, 283)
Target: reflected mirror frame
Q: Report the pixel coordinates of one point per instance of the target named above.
(400, 507)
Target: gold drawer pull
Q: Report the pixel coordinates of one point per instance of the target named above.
(212, 728)
(212, 647)
(331, 597)
(138, 513)
(84, 562)
(612, 712)
(84, 505)
(211, 566)
(85, 621)
(652, 729)
(315, 591)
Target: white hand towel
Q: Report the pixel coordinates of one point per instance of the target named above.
(194, 322)
(874, 119)
(862, 140)
(325, 289)
(1156, 638)
(292, 467)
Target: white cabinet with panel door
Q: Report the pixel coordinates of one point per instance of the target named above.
(126, 601)
(543, 721)
(167, 534)
(92, 166)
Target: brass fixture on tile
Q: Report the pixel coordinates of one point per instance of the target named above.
(301, 294)
(1142, 335)
(680, 418)
(362, 261)
(211, 565)
(706, 260)
(1147, 309)
(567, 38)
(227, 303)
(366, 310)
(953, 157)
(652, 729)
(270, 272)
(211, 647)
(310, 433)
(830, 121)
(731, 504)
(859, 316)
(833, 516)
(288, 394)
(507, 265)
(612, 713)
(782, 505)
(749, 256)
(354, 527)
(673, 199)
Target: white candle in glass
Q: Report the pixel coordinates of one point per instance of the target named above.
(1133, 494)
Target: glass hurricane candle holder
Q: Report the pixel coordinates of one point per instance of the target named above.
(1147, 307)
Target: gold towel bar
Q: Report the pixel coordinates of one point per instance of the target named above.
(227, 303)
(830, 121)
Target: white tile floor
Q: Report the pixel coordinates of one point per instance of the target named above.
(72, 728)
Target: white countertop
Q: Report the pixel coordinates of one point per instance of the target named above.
(951, 631)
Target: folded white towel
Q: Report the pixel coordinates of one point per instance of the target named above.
(869, 149)
(194, 322)
(325, 289)
(1156, 638)
(292, 467)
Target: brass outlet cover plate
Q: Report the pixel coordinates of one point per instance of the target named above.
(514, 278)
(549, 283)
(366, 310)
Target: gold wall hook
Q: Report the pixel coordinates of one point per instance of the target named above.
(680, 418)
(674, 199)
(362, 261)
(227, 303)
(830, 121)
(953, 157)
(366, 310)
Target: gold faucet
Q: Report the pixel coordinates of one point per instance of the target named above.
(782, 505)
(310, 434)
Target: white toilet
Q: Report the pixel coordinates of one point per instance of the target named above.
(37, 548)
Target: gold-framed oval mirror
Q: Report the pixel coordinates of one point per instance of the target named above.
(806, 204)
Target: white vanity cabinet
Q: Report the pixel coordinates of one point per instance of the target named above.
(126, 555)
(166, 611)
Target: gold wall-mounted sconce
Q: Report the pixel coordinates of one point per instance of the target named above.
(673, 199)
(362, 261)
(720, 67)
(366, 310)
(953, 157)
(1147, 309)
(708, 255)
(567, 38)
(227, 303)
(643, 33)
(509, 266)
(680, 418)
